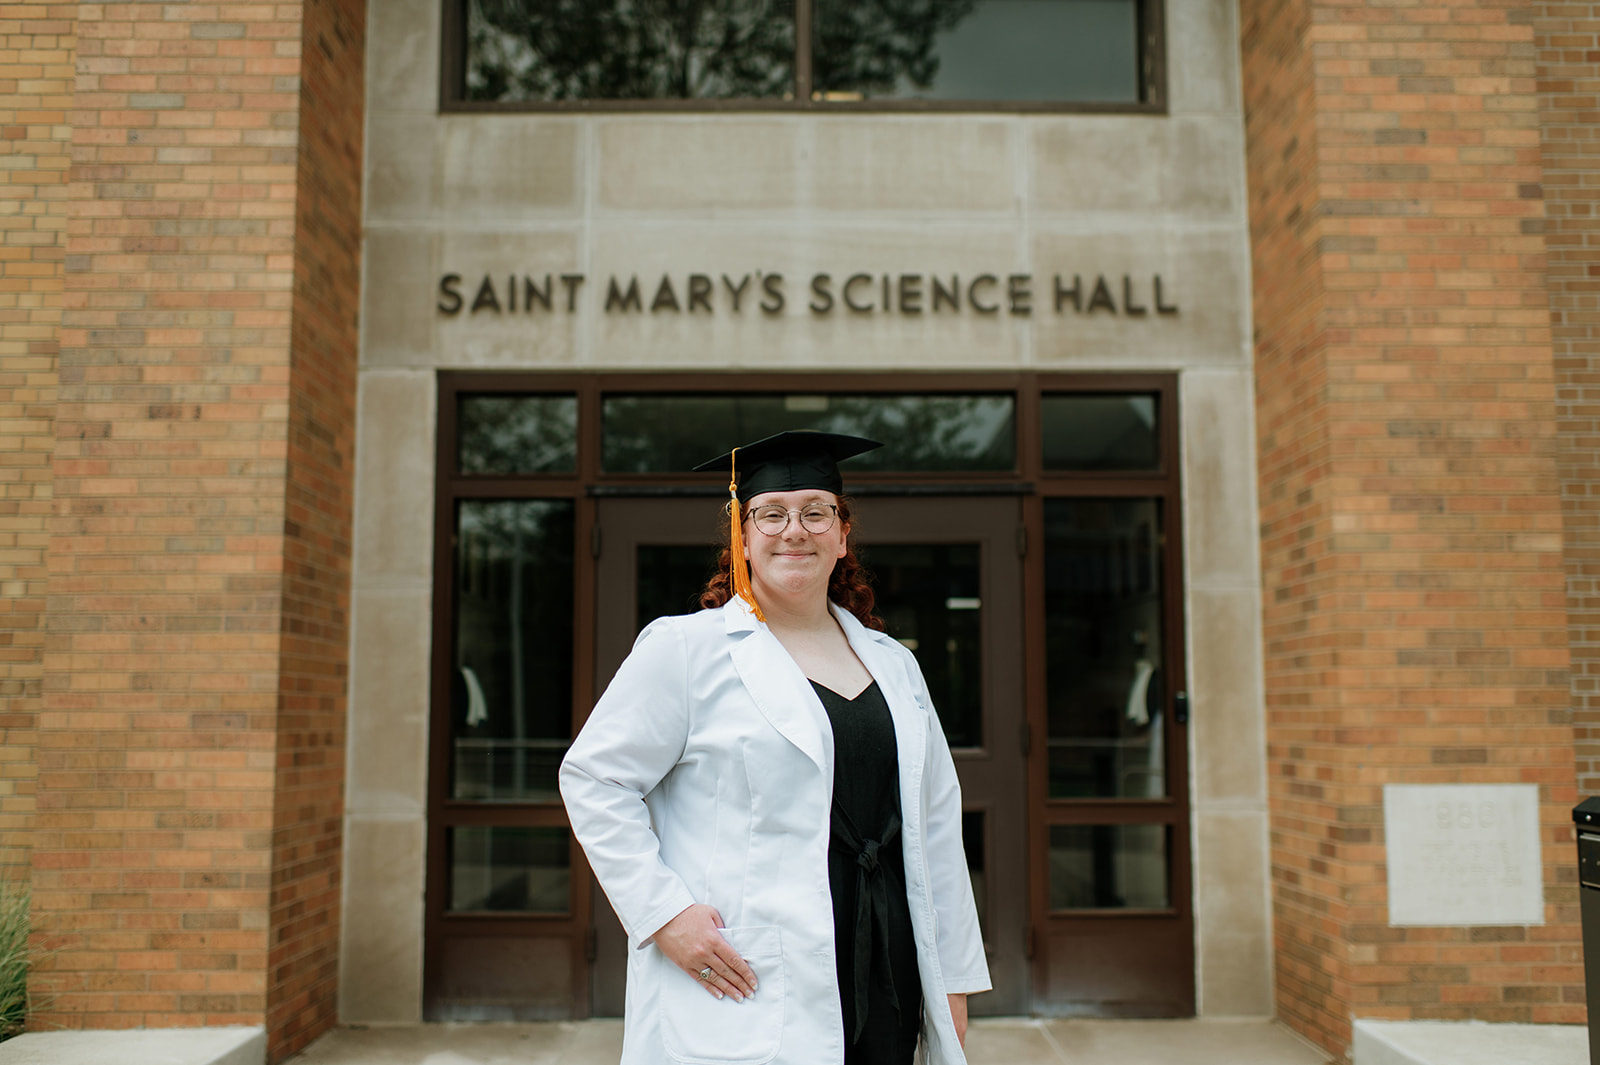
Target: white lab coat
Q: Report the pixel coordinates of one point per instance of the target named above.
(705, 774)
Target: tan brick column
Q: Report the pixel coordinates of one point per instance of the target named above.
(36, 73)
(1410, 501)
(186, 855)
(1568, 37)
(313, 662)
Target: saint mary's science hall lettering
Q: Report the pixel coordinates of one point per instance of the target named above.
(825, 294)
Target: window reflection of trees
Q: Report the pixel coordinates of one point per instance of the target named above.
(518, 434)
(875, 47)
(629, 49)
(698, 49)
(662, 434)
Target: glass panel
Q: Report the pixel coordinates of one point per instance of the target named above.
(670, 578)
(516, 870)
(518, 434)
(1100, 432)
(1104, 681)
(972, 822)
(511, 690)
(629, 49)
(1074, 50)
(928, 600)
(1102, 867)
(675, 433)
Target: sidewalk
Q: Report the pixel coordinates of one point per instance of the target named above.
(1022, 1041)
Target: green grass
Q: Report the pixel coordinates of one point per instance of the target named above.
(14, 956)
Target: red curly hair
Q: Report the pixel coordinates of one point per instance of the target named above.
(849, 585)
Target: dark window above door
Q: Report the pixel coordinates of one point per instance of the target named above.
(1062, 55)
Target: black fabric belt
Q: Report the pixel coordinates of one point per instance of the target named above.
(872, 910)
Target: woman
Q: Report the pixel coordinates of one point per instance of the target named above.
(738, 782)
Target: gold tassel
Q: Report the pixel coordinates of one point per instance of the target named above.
(741, 568)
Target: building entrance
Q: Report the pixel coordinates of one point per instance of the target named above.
(949, 582)
(1025, 538)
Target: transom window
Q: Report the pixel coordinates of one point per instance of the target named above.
(803, 54)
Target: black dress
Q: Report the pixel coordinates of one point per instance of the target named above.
(879, 989)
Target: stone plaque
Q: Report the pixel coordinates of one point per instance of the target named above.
(1463, 854)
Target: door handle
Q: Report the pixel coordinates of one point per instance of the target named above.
(1180, 707)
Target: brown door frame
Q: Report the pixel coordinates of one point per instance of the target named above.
(586, 483)
(1169, 932)
(994, 521)
(444, 812)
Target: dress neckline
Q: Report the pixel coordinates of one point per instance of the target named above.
(821, 687)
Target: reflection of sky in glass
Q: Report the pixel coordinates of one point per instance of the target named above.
(1038, 50)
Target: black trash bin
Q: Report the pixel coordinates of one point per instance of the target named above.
(1586, 817)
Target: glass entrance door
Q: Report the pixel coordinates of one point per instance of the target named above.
(949, 585)
(1113, 898)
(1026, 536)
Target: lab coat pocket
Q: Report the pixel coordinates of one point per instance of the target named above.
(698, 1029)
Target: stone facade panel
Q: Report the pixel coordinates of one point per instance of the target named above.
(710, 164)
(380, 961)
(1233, 928)
(389, 688)
(504, 168)
(952, 166)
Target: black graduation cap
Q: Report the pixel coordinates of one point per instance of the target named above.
(791, 461)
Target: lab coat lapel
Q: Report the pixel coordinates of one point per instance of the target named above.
(777, 686)
(884, 663)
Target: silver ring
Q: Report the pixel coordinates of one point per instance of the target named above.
(705, 974)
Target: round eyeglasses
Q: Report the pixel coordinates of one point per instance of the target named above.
(815, 518)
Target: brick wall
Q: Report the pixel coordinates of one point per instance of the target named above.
(190, 743)
(1293, 429)
(308, 818)
(1411, 528)
(1568, 39)
(36, 75)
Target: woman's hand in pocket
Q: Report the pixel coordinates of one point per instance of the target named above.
(692, 943)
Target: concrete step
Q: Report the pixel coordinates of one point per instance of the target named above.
(140, 1046)
(1468, 1043)
(990, 1041)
